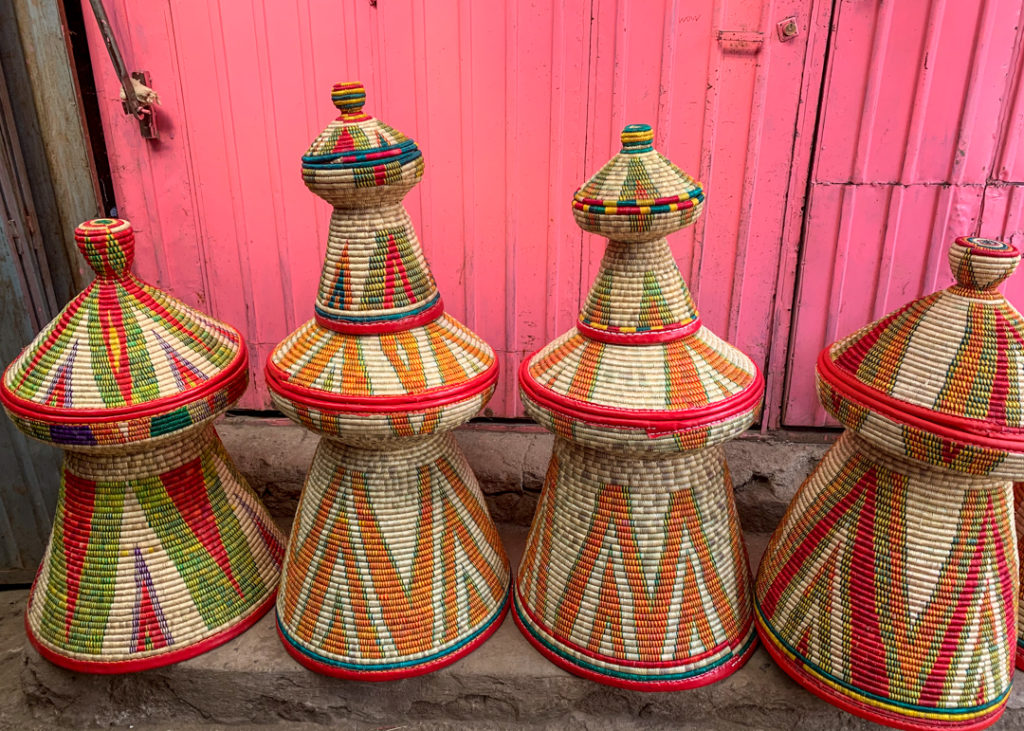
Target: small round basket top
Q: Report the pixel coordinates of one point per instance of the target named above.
(948, 366)
(122, 353)
(639, 195)
(357, 142)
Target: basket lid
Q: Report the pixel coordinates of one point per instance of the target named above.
(380, 340)
(639, 356)
(639, 194)
(355, 140)
(122, 349)
(950, 364)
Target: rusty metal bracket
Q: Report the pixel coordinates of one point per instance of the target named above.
(142, 111)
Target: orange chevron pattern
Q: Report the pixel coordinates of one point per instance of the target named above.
(346, 599)
(642, 584)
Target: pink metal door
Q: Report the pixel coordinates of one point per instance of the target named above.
(920, 139)
(513, 104)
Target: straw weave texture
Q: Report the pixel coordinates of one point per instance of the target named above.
(393, 560)
(394, 567)
(635, 568)
(151, 554)
(890, 588)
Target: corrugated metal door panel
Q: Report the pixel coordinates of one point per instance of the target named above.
(513, 106)
(915, 119)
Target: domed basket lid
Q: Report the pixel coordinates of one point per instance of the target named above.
(638, 192)
(950, 364)
(122, 349)
(639, 356)
(356, 141)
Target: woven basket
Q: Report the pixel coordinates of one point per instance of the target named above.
(394, 567)
(890, 588)
(159, 549)
(635, 573)
(155, 557)
(383, 373)
(639, 394)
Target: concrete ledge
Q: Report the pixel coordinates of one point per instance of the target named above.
(510, 462)
(504, 684)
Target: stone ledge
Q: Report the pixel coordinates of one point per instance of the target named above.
(251, 681)
(510, 460)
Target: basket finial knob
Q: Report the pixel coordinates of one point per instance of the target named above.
(349, 96)
(108, 244)
(637, 138)
(982, 264)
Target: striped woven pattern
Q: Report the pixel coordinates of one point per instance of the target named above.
(635, 571)
(121, 350)
(395, 567)
(374, 267)
(638, 193)
(890, 589)
(396, 563)
(159, 549)
(155, 557)
(638, 290)
(957, 355)
(358, 161)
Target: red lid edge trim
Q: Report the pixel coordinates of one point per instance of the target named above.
(277, 381)
(954, 427)
(662, 422)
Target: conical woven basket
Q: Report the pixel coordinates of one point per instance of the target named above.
(634, 573)
(159, 549)
(889, 590)
(394, 567)
(391, 559)
(891, 587)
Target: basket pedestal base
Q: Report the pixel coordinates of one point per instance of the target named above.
(889, 589)
(155, 557)
(635, 573)
(394, 567)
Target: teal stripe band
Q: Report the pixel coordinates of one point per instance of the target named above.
(379, 318)
(526, 622)
(370, 668)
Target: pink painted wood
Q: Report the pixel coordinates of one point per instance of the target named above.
(921, 140)
(514, 104)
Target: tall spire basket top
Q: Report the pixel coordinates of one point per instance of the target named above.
(639, 369)
(418, 369)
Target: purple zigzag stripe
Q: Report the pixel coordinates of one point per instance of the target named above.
(143, 579)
